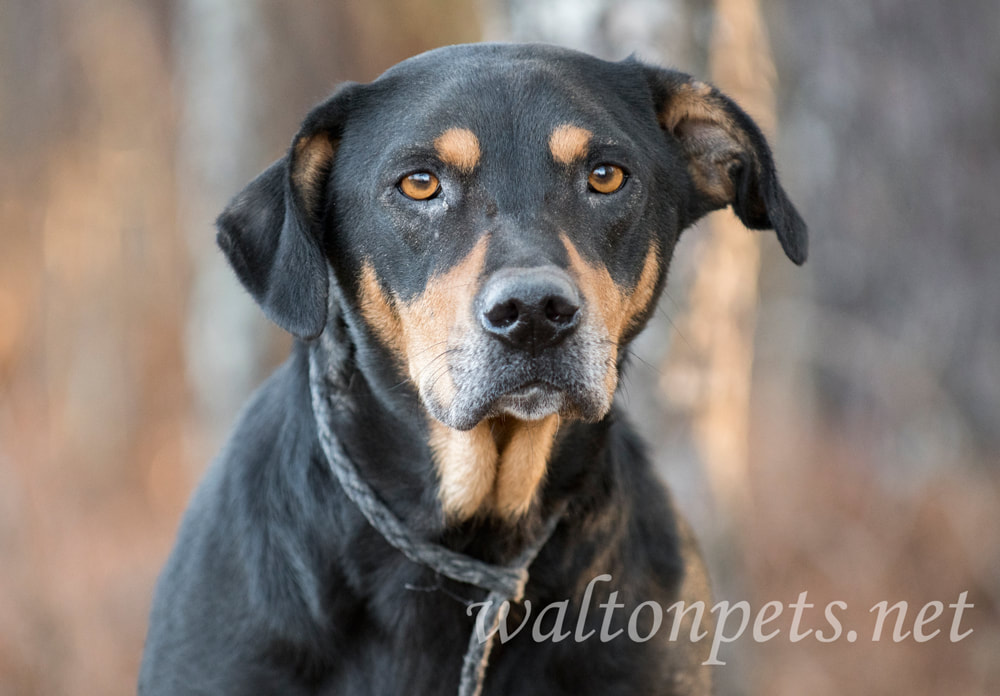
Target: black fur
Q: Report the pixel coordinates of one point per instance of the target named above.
(277, 584)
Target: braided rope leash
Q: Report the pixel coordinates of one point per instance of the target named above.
(504, 583)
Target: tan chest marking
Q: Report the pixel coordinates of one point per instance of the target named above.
(523, 462)
(420, 331)
(495, 468)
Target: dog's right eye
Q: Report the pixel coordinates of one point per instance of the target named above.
(420, 186)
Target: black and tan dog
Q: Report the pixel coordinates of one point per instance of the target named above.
(466, 246)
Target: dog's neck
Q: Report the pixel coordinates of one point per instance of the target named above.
(504, 583)
(398, 452)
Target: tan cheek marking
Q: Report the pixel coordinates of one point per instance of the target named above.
(642, 295)
(377, 311)
(441, 315)
(569, 143)
(466, 463)
(458, 147)
(523, 463)
(602, 298)
(599, 290)
(312, 159)
(615, 308)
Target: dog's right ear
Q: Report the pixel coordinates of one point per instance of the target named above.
(272, 231)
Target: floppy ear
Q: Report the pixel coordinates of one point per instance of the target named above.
(727, 158)
(272, 231)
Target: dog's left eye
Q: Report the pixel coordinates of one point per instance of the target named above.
(606, 178)
(420, 186)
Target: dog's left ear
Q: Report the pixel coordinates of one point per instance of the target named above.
(728, 159)
(272, 231)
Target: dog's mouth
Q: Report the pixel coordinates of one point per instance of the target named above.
(531, 401)
(526, 389)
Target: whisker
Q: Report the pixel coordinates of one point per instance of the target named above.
(432, 362)
(648, 364)
(673, 325)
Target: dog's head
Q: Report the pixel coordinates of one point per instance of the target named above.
(499, 220)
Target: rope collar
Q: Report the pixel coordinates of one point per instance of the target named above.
(504, 583)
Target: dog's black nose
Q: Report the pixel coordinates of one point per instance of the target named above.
(530, 308)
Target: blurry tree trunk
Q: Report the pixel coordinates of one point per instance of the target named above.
(217, 47)
(719, 321)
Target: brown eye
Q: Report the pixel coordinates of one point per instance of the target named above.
(420, 186)
(606, 178)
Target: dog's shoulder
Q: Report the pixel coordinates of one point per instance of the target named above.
(244, 549)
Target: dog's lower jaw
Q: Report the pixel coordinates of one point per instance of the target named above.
(533, 402)
(495, 468)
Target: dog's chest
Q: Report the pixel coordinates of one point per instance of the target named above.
(421, 651)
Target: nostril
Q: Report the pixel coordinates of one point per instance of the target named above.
(560, 310)
(503, 314)
(529, 309)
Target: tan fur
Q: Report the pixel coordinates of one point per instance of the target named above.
(615, 309)
(645, 288)
(379, 313)
(436, 319)
(710, 138)
(312, 157)
(694, 101)
(458, 147)
(498, 466)
(522, 466)
(569, 143)
(466, 463)
(601, 297)
(419, 332)
(495, 468)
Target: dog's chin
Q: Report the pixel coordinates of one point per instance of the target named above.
(533, 401)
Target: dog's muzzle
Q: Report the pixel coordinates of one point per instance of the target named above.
(532, 348)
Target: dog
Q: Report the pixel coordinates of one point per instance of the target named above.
(463, 249)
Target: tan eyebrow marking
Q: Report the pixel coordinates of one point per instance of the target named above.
(458, 147)
(569, 143)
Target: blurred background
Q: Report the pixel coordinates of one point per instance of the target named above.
(832, 429)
